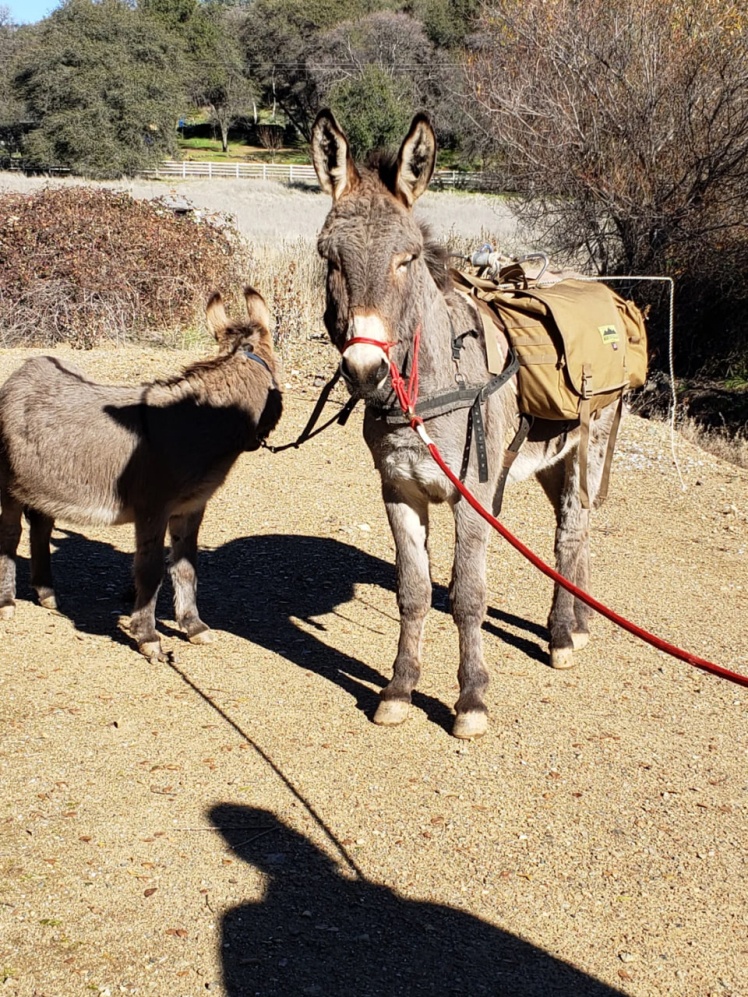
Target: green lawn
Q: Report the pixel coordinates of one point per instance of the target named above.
(209, 150)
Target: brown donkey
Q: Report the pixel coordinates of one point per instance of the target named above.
(386, 278)
(150, 455)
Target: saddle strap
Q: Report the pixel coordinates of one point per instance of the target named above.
(602, 493)
(584, 444)
(475, 424)
(510, 454)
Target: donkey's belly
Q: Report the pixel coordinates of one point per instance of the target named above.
(534, 456)
(81, 509)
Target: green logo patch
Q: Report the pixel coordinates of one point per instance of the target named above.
(609, 333)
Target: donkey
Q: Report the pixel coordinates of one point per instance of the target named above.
(150, 455)
(386, 280)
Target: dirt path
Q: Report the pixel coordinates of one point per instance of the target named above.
(235, 824)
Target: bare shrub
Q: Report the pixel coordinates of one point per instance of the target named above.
(724, 443)
(87, 265)
(624, 126)
(291, 276)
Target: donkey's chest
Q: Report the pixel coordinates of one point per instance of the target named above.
(404, 462)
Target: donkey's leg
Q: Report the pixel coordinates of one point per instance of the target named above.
(468, 598)
(183, 570)
(10, 534)
(148, 571)
(568, 621)
(40, 529)
(409, 525)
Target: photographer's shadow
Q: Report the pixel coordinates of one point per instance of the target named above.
(316, 932)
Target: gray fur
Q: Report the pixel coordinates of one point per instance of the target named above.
(152, 455)
(368, 232)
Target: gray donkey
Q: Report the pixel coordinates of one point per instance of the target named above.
(386, 279)
(150, 455)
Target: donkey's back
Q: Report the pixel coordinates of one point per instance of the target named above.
(61, 450)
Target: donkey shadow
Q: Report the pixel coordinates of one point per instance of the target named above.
(256, 588)
(315, 931)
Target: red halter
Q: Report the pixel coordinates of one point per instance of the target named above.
(384, 346)
(407, 395)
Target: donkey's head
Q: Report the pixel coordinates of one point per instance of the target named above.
(254, 334)
(377, 254)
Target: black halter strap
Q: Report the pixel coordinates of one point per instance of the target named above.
(309, 431)
(452, 399)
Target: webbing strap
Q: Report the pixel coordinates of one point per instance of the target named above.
(602, 493)
(452, 399)
(584, 447)
(475, 426)
(510, 454)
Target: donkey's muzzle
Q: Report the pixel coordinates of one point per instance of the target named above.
(363, 379)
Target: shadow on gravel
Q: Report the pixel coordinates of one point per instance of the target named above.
(257, 588)
(318, 932)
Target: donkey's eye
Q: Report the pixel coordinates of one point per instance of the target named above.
(402, 264)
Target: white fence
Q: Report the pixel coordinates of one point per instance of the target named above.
(234, 171)
(297, 174)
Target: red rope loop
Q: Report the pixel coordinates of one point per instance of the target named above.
(407, 395)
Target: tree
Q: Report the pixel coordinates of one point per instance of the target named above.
(624, 126)
(446, 22)
(11, 109)
(102, 84)
(376, 73)
(373, 107)
(218, 79)
(280, 37)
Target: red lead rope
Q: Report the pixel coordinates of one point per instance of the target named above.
(408, 396)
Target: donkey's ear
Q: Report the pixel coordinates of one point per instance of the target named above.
(216, 315)
(415, 161)
(257, 310)
(331, 155)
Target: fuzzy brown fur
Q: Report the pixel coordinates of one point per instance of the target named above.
(151, 455)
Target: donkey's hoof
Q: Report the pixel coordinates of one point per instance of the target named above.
(152, 650)
(47, 600)
(202, 637)
(580, 639)
(562, 658)
(469, 725)
(7, 612)
(391, 712)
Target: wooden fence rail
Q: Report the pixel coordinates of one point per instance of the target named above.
(299, 174)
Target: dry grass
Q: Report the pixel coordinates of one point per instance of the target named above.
(729, 446)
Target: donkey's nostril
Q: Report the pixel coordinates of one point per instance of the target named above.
(345, 369)
(382, 371)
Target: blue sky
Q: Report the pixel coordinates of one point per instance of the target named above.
(28, 11)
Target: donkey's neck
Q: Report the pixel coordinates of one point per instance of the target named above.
(232, 380)
(446, 316)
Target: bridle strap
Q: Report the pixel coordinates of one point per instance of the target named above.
(384, 346)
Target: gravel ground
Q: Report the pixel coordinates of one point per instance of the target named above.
(233, 823)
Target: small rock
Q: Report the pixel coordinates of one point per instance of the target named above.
(627, 957)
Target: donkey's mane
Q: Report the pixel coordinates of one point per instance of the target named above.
(208, 364)
(383, 163)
